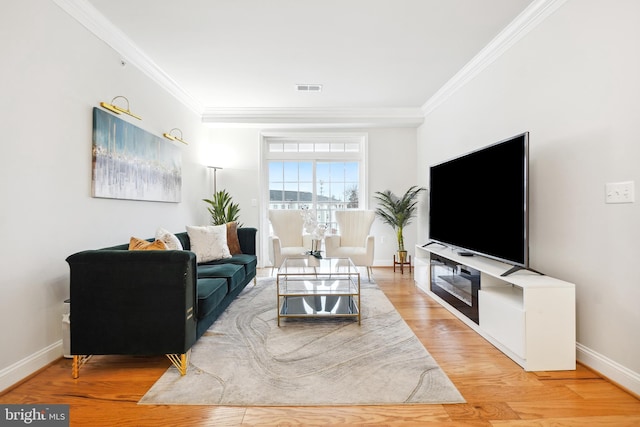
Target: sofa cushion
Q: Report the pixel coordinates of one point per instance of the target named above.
(250, 262)
(136, 244)
(169, 239)
(232, 238)
(233, 273)
(209, 242)
(211, 291)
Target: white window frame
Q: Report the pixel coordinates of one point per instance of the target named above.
(267, 138)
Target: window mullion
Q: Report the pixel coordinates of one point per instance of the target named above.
(314, 196)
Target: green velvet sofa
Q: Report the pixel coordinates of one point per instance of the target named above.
(151, 302)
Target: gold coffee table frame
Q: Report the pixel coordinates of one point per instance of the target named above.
(320, 288)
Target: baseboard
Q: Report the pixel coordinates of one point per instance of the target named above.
(612, 371)
(622, 376)
(27, 366)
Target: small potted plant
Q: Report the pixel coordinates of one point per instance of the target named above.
(222, 208)
(398, 213)
(316, 230)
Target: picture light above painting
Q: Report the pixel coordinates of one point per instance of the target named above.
(133, 164)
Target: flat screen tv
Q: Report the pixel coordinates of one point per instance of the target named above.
(478, 202)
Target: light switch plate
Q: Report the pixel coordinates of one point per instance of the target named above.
(620, 192)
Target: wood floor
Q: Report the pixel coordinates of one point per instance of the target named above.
(498, 392)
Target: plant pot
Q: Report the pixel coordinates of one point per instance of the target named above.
(402, 257)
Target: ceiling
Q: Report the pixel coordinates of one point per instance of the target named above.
(249, 55)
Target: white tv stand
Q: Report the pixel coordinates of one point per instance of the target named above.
(527, 316)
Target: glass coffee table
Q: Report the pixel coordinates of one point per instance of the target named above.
(311, 287)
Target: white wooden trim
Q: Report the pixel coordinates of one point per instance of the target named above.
(313, 117)
(88, 16)
(533, 15)
(608, 368)
(23, 368)
(95, 22)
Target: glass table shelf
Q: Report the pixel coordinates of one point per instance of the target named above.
(311, 287)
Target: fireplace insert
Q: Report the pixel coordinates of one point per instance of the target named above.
(457, 284)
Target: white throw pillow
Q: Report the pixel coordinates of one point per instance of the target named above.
(209, 242)
(169, 239)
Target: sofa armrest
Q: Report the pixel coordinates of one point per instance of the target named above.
(247, 238)
(275, 251)
(132, 302)
(370, 246)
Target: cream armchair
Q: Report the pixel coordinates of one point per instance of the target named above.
(287, 240)
(354, 240)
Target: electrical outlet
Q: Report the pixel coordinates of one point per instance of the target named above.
(620, 192)
(382, 239)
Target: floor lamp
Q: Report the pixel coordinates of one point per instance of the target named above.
(215, 177)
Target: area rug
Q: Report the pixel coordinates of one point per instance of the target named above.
(245, 359)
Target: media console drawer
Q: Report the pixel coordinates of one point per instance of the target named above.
(503, 317)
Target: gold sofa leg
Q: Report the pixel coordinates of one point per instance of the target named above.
(78, 362)
(180, 361)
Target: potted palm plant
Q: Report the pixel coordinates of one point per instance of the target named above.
(398, 212)
(222, 208)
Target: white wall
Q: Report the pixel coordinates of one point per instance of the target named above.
(573, 83)
(55, 72)
(392, 166)
(237, 151)
(391, 158)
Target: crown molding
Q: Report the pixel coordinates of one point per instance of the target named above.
(95, 22)
(88, 16)
(313, 117)
(534, 14)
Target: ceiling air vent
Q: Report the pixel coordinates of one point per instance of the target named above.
(309, 88)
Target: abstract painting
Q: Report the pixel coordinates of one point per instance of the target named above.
(131, 163)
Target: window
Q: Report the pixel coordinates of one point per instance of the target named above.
(321, 173)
